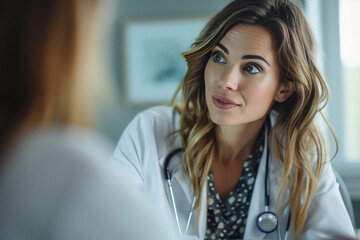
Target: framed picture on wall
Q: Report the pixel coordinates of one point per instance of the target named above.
(153, 63)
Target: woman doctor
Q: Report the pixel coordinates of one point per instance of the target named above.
(241, 157)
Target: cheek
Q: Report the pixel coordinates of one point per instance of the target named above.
(207, 73)
(262, 89)
(208, 76)
(263, 93)
(212, 75)
(209, 81)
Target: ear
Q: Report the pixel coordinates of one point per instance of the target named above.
(286, 89)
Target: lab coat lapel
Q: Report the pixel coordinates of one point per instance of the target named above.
(187, 198)
(257, 204)
(178, 178)
(203, 212)
(183, 194)
(276, 168)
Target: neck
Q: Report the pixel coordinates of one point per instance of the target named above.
(236, 143)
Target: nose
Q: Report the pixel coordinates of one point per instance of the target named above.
(231, 78)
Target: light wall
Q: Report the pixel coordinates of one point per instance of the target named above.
(113, 118)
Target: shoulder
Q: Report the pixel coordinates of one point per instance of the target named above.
(146, 139)
(158, 115)
(57, 142)
(156, 122)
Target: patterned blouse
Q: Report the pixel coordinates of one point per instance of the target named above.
(226, 219)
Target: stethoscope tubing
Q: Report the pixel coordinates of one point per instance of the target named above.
(168, 176)
(190, 215)
(174, 204)
(267, 195)
(168, 158)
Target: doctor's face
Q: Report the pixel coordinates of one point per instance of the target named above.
(242, 76)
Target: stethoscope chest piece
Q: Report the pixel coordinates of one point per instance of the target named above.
(267, 222)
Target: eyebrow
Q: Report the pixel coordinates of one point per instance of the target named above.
(222, 47)
(255, 57)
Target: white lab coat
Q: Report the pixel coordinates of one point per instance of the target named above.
(142, 150)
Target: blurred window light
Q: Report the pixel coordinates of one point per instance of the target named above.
(350, 57)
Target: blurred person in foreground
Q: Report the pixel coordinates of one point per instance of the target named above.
(55, 182)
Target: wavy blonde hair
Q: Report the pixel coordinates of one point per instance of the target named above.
(294, 138)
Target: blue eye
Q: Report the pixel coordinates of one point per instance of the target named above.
(252, 69)
(218, 58)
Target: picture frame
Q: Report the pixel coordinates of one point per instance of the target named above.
(153, 63)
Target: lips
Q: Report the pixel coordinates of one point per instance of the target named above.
(224, 103)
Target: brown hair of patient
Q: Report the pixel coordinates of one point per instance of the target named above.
(41, 53)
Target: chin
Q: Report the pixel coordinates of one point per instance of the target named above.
(221, 121)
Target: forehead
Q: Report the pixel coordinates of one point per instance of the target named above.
(250, 39)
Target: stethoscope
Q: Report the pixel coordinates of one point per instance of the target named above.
(168, 177)
(266, 222)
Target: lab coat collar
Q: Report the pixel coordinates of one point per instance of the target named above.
(257, 204)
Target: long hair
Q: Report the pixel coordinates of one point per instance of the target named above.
(39, 44)
(294, 138)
